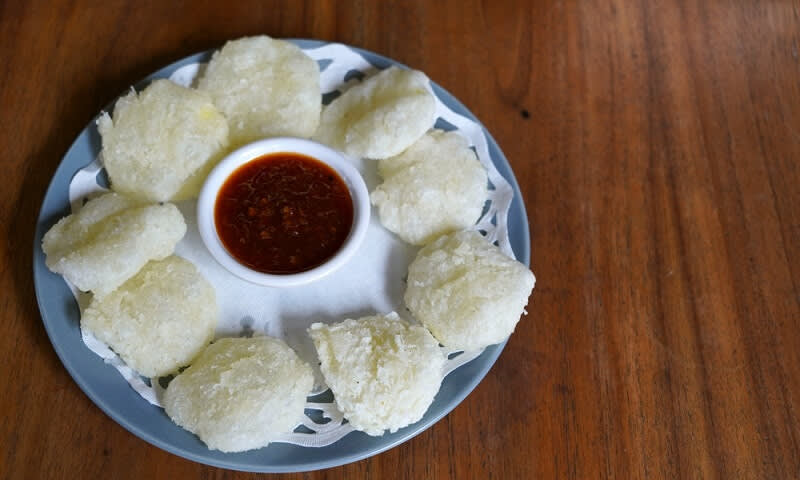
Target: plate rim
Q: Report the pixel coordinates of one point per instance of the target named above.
(237, 461)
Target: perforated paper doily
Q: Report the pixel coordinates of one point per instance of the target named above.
(381, 264)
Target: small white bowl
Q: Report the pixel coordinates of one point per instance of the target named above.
(229, 164)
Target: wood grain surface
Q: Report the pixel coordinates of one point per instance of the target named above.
(656, 144)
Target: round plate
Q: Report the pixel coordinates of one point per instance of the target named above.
(109, 390)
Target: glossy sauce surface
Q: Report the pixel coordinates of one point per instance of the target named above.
(283, 213)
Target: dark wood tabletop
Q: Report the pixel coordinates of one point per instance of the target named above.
(657, 148)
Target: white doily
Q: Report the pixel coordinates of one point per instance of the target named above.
(381, 264)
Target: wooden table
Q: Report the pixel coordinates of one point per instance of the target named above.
(657, 147)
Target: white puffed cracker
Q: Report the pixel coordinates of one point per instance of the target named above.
(109, 240)
(265, 87)
(380, 117)
(161, 143)
(383, 372)
(159, 319)
(466, 291)
(241, 393)
(436, 186)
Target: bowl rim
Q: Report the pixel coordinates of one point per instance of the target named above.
(338, 161)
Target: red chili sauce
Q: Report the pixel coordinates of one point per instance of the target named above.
(283, 213)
